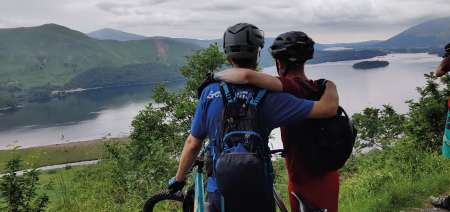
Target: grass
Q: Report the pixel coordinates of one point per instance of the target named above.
(399, 179)
(59, 153)
(403, 184)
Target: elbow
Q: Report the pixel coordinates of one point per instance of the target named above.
(332, 110)
(245, 75)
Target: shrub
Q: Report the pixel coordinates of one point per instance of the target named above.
(51, 171)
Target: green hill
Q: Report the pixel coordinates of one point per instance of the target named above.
(112, 34)
(53, 54)
(435, 32)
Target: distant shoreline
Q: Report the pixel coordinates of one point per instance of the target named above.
(63, 153)
(7, 108)
(93, 142)
(85, 89)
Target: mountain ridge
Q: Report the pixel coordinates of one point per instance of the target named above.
(54, 54)
(435, 32)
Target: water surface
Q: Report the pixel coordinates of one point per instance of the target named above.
(93, 114)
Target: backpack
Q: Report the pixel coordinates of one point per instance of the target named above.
(328, 143)
(242, 164)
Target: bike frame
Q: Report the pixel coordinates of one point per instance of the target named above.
(199, 196)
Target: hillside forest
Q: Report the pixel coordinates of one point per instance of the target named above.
(38, 61)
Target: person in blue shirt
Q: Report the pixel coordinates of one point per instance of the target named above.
(242, 43)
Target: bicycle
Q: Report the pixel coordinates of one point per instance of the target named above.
(193, 199)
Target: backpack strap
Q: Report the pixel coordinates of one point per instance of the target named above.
(207, 81)
(258, 97)
(227, 95)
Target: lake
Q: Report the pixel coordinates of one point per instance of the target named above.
(93, 114)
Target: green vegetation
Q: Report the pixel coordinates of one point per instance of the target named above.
(401, 175)
(329, 56)
(410, 167)
(370, 64)
(59, 154)
(345, 55)
(125, 75)
(19, 193)
(52, 55)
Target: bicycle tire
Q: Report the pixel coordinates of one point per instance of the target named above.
(159, 196)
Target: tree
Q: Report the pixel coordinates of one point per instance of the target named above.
(159, 131)
(19, 191)
(424, 123)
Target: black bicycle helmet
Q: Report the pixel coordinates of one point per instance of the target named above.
(242, 41)
(294, 46)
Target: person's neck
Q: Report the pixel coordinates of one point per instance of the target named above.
(297, 71)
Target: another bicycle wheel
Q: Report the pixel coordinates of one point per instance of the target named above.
(164, 201)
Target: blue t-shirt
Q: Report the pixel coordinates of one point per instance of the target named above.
(278, 109)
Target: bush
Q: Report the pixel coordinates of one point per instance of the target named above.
(18, 192)
(409, 168)
(68, 167)
(51, 171)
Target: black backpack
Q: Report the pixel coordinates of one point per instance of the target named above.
(243, 166)
(328, 143)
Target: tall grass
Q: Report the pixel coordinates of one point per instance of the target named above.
(395, 179)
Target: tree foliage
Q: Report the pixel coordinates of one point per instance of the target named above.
(19, 191)
(424, 123)
(159, 131)
(125, 75)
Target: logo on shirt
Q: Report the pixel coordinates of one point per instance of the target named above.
(212, 95)
(239, 95)
(242, 95)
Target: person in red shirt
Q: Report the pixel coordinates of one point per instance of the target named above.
(291, 50)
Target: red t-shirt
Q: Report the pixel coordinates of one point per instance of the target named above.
(320, 190)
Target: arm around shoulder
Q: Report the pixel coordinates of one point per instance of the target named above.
(439, 72)
(327, 106)
(248, 76)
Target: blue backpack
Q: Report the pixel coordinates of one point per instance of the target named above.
(242, 161)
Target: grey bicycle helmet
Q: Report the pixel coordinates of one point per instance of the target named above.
(294, 46)
(242, 41)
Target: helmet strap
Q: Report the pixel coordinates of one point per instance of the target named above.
(278, 68)
(287, 69)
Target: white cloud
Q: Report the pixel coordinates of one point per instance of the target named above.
(328, 20)
(115, 8)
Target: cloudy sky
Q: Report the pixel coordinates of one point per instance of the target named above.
(326, 21)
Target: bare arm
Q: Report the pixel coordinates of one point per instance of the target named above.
(190, 151)
(248, 76)
(328, 104)
(439, 72)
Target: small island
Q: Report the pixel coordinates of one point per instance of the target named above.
(370, 64)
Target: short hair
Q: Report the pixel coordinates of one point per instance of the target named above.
(244, 63)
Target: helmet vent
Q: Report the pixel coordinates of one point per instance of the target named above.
(259, 36)
(289, 39)
(235, 48)
(279, 38)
